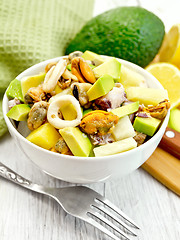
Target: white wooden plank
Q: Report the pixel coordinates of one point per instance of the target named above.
(27, 215)
(148, 203)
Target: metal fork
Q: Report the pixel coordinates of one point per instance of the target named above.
(82, 202)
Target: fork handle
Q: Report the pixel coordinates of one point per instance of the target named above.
(12, 176)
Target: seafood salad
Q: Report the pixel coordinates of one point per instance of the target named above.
(87, 105)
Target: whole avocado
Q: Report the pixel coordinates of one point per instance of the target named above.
(130, 33)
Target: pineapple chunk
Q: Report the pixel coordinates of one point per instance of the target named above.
(45, 136)
(130, 78)
(147, 96)
(123, 129)
(115, 147)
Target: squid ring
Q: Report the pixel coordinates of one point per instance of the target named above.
(53, 112)
(53, 75)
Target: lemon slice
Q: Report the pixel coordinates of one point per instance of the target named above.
(169, 76)
(170, 50)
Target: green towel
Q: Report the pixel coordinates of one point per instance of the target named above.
(35, 30)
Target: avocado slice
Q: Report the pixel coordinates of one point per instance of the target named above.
(15, 90)
(88, 55)
(126, 110)
(44, 136)
(87, 111)
(68, 67)
(92, 66)
(77, 141)
(31, 81)
(147, 96)
(3, 127)
(115, 147)
(146, 125)
(174, 119)
(123, 129)
(101, 87)
(19, 112)
(112, 67)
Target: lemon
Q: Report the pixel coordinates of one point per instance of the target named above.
(169, 76)
(170, 50)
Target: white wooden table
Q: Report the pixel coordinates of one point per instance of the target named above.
(25, 215)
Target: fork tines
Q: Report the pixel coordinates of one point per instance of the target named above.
(99, 212)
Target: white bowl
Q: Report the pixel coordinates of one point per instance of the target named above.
(85, 169)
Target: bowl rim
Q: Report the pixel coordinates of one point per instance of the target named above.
(81, 158)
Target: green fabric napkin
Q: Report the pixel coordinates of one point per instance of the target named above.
(34, 30)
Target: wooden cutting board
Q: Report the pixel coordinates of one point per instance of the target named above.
(165, 165)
